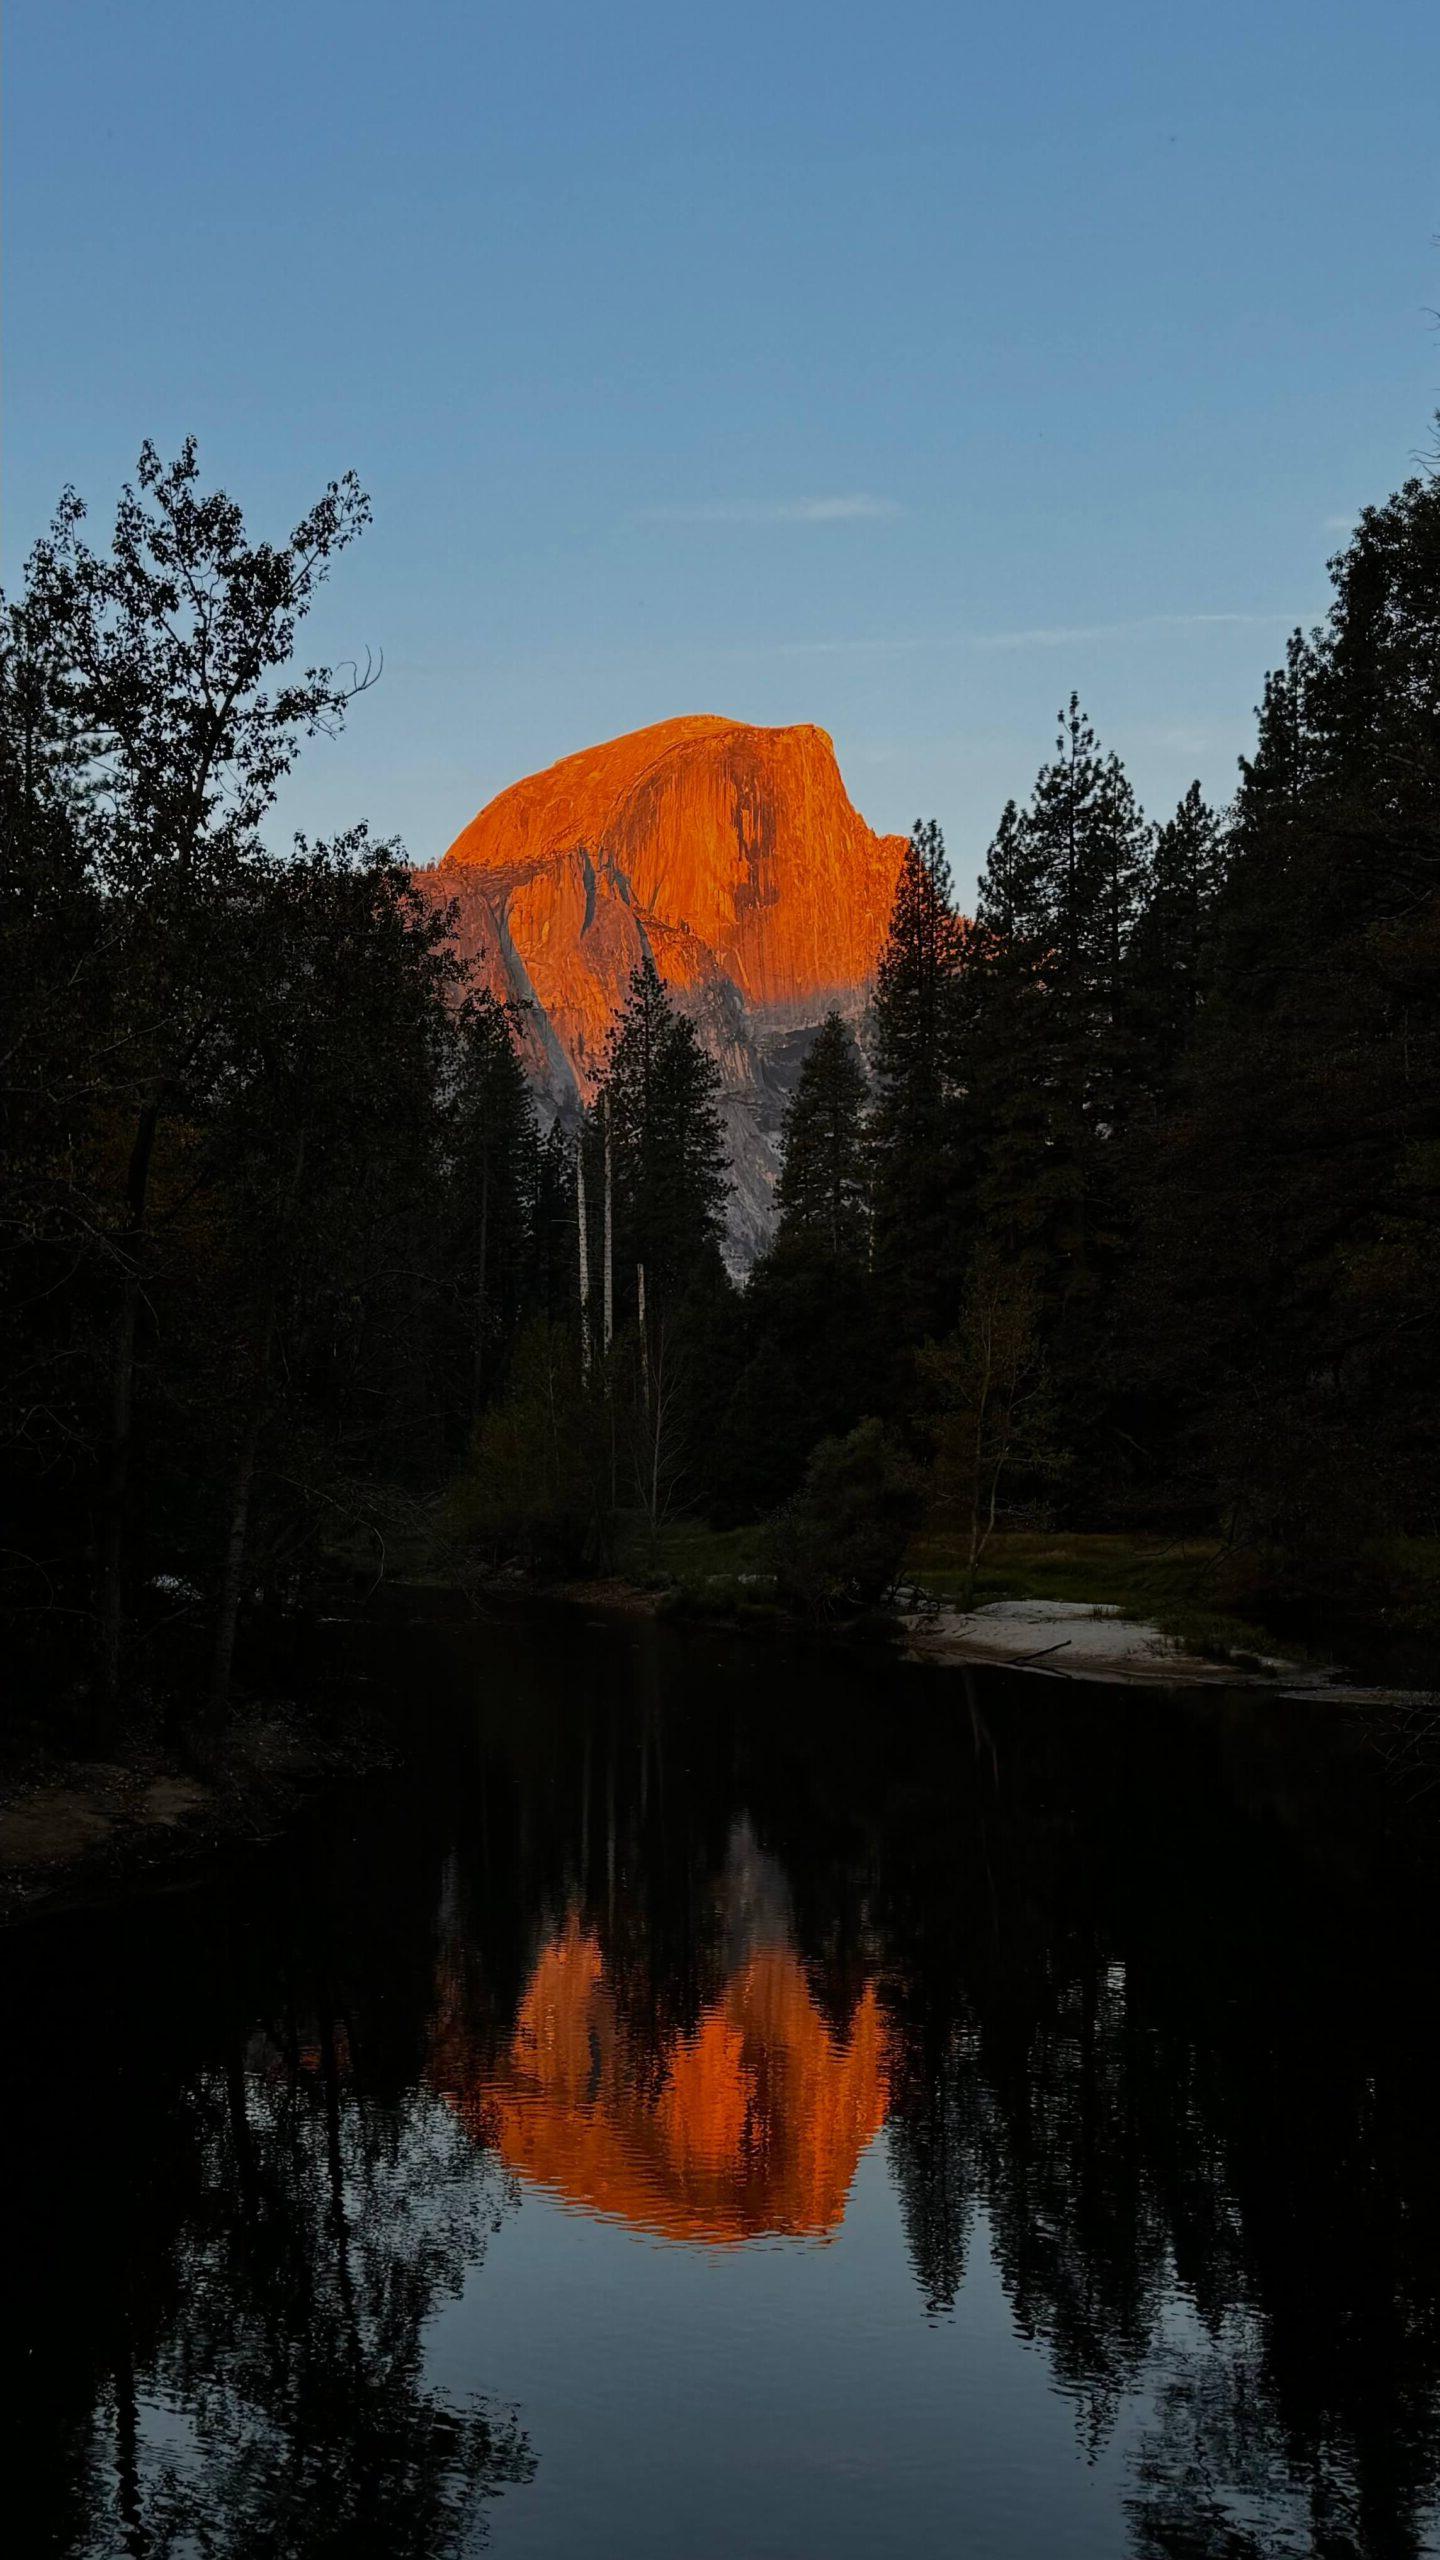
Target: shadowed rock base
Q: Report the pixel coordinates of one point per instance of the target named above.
(730, 856)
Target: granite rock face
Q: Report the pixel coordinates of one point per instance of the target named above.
(733, 857)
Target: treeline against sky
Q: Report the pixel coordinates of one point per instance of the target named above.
(1127, 1216)
(249, 1112)
(1122, 1211)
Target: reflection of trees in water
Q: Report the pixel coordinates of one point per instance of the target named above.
(1214, 2474)
(1175, 2064)
(1178, 2072)
(1184, 2080)
(321, 2230)
(616, 1825)
(934, 2137)
(1046, 2131)
(237, 2233)
(1173, 2058)
(270, 2398)
(1214, 2216)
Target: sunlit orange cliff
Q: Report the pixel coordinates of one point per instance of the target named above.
(754, 2124)
(731, 855)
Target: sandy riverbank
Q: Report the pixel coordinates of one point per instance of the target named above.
(1080, 1640)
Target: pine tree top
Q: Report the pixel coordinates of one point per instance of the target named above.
(821, 1192)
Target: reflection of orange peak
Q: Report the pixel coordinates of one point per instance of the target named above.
(757, 2124)
(727, 852)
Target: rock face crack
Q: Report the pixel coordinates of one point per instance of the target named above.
(733, 857)
(588, 868)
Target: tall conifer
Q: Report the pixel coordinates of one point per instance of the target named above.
(917, 1132)
(1293, 1243)
(496, 1164)
(821, 1192)
(1051, 1058)
(1170, 944)
(811, 1362)
(659, 1091)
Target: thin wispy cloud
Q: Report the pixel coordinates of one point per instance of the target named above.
(844, 510)
(1057, 635)
(1338, 524)
(1063, 635)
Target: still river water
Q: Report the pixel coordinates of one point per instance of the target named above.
(721, 2103)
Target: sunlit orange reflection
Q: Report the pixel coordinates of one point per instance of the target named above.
(753, 2124)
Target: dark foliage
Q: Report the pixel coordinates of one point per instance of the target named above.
(1123, 1207)
(811, 1357)
(270, 1181)
(841, 1543)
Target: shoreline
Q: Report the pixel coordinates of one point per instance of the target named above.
(1142, 1658)
(1091, 1641)
(78, 1835)
(1087, 1640)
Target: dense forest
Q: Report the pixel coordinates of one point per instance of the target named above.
(1120, 1208)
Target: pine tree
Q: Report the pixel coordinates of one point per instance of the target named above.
(654, 1165)
(320, 1236)
(657, 1103)
(912, 983)
(551, 1287)
(495, 1170)
(918, 1128)
(1052, 1060)
(822, 1190)
(1293, 1250)
(1068, 875)
(1015, 900)
(1169, 947)
(811, 1356)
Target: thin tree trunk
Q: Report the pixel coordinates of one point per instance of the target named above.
(609, 1236)
(339, 2224)
(482, 1311)
(115, 1498)
(233, 1571)
(644, 1337)
(242, 2140)
(227, 1616)
(584, 1244)
(127, 2453)
(585, 1811)
(610, 1829)
(656, 1441)
(982, 1401)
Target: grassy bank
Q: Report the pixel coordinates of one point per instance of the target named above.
(1173, 1583)
(1207, 1598)
(1182, 1586)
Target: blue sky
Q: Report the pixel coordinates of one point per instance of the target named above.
(895, 367)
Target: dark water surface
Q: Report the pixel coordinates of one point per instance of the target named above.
(731, 2104)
